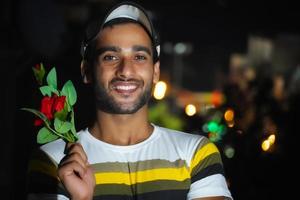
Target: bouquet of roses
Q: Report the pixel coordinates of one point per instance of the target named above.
(56, 114)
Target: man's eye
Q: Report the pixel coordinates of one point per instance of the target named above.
(140, 57)
(109, 58)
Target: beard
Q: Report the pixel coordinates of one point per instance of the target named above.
(107, 103)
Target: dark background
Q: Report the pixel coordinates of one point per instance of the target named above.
(50, 31)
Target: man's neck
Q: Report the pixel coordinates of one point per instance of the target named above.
(122, 129)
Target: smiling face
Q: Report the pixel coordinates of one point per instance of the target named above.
(124, 71)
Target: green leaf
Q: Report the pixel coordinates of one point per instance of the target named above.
(62, 126)
(45, 135)
(51, 78)
(69, 91)
(48, 90)
(39, 114)
(47, 124)
(73, 129)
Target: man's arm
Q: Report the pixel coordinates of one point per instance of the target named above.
(207, 174)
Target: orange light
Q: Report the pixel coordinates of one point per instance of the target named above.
(216, 98)
(229, 115)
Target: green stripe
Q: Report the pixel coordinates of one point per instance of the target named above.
(137, 166)
(112, 189)
(209, 160)
(141, 188)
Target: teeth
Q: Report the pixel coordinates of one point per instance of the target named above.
(125, 87)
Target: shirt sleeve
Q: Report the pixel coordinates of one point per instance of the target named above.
(42, 180)
(207, 173)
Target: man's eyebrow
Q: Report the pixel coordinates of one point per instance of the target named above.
(101, 50)
(141, 48)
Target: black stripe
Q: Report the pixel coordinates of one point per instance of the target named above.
(207, 161)
(210, 170)
(159, 195)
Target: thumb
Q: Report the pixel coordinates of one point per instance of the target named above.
(67, 147)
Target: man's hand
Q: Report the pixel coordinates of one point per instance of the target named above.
(76, 174)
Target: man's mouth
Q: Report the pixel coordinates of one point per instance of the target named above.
(125, 87)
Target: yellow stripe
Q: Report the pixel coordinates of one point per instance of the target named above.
(177, 174)
(43, 167)
(203, 152)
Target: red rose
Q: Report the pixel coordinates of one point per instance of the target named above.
(46, 109)
(49, 106)
(59, 103)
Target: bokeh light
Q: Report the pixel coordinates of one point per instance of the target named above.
(229, 115)
(160, 90)
(272, 139)
(190, 110)
(265, 145)
(229, 151)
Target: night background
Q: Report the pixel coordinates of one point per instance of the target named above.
(235, 63)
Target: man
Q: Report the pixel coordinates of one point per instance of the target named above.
(122, 155)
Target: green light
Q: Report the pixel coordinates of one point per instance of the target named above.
(213, 127)
(229, 151)
(216, 130)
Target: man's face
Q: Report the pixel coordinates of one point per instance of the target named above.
(124, 69)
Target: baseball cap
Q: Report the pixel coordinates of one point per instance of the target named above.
(124, 10)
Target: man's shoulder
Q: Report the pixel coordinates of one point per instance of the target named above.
(183, 140)
(180, 135)
(185, 144)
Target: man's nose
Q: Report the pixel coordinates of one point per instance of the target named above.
(125, 68)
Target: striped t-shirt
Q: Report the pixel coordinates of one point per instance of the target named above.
(168, 165)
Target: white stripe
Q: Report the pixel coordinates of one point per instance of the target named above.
(214, 185)
(46, 197)
(164, 144)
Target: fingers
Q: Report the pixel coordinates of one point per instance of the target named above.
(71, 168)
(75, 151)
(76, 148)
(75, 155)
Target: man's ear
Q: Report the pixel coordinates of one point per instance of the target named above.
(85, 74)
(156, 72)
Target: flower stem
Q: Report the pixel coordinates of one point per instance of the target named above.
(58, 134)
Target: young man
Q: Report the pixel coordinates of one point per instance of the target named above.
(122, 155)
